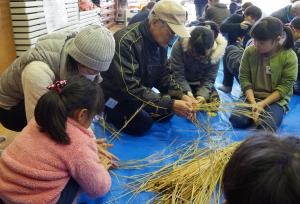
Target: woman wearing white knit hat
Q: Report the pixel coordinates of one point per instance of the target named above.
(55, 57)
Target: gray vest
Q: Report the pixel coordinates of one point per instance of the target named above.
(50, 49)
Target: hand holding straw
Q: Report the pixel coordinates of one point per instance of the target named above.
(106, 158)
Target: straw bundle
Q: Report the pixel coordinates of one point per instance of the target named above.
(236, 108)
(107, 159)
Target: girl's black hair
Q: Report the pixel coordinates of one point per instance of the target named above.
(52, 109)
(211, 25)
(264, 169)
(202, 39)
(246, 5)
(254, 12)
(270, 28)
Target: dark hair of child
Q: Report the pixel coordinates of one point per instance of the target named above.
(246, 5)
(211, 25)
(202, 39)
(254, 12)
(270, 28)
(264, 169)
(53, 108)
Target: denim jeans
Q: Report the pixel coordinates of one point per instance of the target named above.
(231, 64)
(271, 120)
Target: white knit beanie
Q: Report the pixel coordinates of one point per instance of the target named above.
(93, 47)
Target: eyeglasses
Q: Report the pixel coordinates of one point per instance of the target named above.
(171, 32)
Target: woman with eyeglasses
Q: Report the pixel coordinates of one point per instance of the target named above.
(195, 61)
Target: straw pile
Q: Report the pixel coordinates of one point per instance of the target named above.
(193, 178)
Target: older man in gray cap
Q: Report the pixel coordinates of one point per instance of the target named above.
(138, 76)
(54, 57)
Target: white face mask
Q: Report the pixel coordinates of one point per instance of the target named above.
(90, 77)
(94, 78)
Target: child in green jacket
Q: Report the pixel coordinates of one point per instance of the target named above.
(267, 72)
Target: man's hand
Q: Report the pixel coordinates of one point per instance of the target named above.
(245, 25)
(189, 99)
(183, 108)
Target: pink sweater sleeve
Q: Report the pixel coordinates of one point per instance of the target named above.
(85, 168)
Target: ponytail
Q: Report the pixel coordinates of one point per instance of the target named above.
(51, 115)
(289, 41)
(54, 107)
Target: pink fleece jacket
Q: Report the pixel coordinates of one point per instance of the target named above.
(35, 169)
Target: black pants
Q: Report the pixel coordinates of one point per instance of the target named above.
(69, 193)
(231, 64)
(140, 124)
(15, 118)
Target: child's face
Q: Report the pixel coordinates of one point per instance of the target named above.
(249, 19)
(265, 46)
(296, 33)
(200, 57)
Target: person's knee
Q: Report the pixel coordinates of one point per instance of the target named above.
(139, 127)
(238, 121)
(164, 118)
(267, 125)
(230, 47)
(271, 119)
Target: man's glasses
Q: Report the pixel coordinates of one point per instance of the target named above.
(171, 32)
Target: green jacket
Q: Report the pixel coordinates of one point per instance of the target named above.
(284, 68)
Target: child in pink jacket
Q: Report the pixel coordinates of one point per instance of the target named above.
(55, 153)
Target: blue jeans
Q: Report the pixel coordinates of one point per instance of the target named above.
(199, 6)
(297, 86)
(271, 119)
(231, 64)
